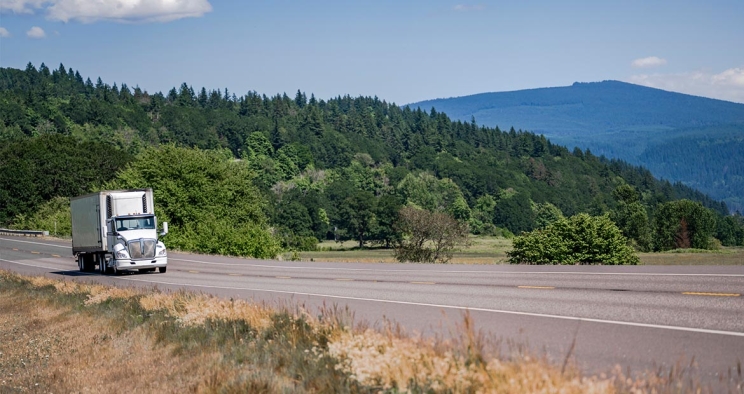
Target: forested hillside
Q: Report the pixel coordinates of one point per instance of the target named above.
(338, 168)
(669, 133)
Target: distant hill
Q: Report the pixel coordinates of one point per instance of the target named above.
(694, 140)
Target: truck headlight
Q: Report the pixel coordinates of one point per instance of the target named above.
(162, 252)
(122, 254)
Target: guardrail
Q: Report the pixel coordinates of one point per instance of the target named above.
(26, 233)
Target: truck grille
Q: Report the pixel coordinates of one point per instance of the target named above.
(142, 249)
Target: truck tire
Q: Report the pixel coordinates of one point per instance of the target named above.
(102, 268)
(86, 262)
(81, 263)
(162, 269)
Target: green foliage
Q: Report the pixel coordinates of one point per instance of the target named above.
(580, 239)
(514, 212)
(631, 217)
(209, 201)
(683, 224)
(546, 214)
(730, 231)
(430, 237)
(53, 216)
(357, 215)
(427, 192)
(37, 169)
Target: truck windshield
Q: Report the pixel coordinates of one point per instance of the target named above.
(141, 223)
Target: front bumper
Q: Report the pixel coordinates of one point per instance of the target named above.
(127, 265)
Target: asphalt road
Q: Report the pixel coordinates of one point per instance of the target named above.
(636, 317)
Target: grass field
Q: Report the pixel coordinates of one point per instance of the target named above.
(492, 250)
(482, 250)
(725, 256)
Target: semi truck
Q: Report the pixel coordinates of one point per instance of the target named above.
(115, 231)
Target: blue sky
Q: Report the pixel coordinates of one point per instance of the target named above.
(400, 51)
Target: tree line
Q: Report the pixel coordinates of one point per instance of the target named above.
(340, 168)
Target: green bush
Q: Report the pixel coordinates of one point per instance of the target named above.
(53, 216)
(580, 239)
(300, 243)
(683, 224)
(208, 199)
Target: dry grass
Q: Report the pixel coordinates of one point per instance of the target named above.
(58, 336)
(47, 347)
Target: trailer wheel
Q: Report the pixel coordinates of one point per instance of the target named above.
(162, 269)
(85, 262)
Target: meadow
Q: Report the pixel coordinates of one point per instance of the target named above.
(492, 250)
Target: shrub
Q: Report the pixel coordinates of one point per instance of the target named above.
(53, 216)
(683, 224)
(580, 239)
(431, 236)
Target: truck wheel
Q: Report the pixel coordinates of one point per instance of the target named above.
(90, 265)
(162, 269)
(85, 261)
(81, 263)
(101, 264)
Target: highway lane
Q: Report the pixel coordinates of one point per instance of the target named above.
(631, 316)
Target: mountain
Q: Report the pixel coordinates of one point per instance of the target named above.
(682, 138)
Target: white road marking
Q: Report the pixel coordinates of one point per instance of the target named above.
(30, 265)
(458, 307)
(36, 243)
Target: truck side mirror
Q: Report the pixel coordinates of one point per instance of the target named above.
(165, 229)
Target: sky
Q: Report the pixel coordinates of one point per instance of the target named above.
(401, 51)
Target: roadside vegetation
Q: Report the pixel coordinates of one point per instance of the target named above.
(580, 239)
(64, 336)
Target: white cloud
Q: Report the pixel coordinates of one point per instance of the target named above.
(727, 85)
(36, 32)
(21, 6)
(88, 11)
(651, 61)
(467, 7)
(4, 33)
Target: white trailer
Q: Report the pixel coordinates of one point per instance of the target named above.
(116, 230)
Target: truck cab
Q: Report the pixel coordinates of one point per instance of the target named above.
(134, 243)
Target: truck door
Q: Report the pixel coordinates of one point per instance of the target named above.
(110, 235)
